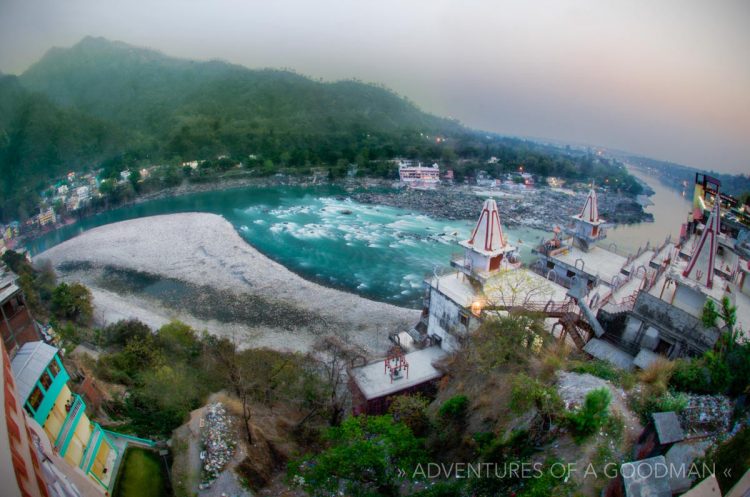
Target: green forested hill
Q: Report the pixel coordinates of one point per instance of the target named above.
(105, 102)
(39, 140)
(191, 109)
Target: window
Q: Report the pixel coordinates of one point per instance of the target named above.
(35, 399)
(45, 380)
(550, 265)
(54, 368)
(570, 273)
(464, 318)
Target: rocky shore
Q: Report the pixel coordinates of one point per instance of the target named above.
(196, 268)
(540, 208)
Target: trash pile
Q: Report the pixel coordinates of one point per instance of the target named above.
(706, 414)
(218, 441)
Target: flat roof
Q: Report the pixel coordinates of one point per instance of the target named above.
(646, 478)
(512, 287)
(605, 351)
(7, 283)
(28, 365)
(597, 261)
(668, 427)
(374, 381)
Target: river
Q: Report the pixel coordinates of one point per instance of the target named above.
(670, 209)
(379, 252)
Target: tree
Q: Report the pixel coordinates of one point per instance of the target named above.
(331, 356)
(254, 375)
(364, 459)
(512, 288)
(412, 411)
(505, 341)
(592, 415)
(73, 302)
(709, 314)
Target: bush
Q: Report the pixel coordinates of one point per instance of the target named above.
(527, 392)
(645, 404)
(412, 411)
(656, 376)
(731, 459)
(587, 419)
(691, 375)
(455, 407)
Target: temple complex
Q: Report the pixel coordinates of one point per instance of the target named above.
(629, 310)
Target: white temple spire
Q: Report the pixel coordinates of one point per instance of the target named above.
(487, 249)
(701, 265)
(590, 211)
(488, 234)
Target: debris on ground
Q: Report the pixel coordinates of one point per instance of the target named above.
(706, 414)
(218, 441)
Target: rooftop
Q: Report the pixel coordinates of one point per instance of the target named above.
(28, 365)
(668, 427)
(374, 382)
(596, 262)
(646, 478)
(7, 283)
(512, 287)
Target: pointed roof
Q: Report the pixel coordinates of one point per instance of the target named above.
(487, 237)
(590, 212)
(701, 265)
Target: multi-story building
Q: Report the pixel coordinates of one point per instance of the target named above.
(42, 388)
(20, 471)
(17, 326)
(417, 175)
(46, 216)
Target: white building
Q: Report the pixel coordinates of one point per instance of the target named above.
(418, 176)
(487, 275)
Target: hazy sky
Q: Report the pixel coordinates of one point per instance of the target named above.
(668, 79)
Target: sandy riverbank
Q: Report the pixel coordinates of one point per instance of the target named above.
(195, 267)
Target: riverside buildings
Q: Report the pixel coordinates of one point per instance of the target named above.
(53, 446)
(629, 310)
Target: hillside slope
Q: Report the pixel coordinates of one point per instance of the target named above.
(199, 108)
(39, 140)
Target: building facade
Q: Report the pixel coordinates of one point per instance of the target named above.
(42, 386)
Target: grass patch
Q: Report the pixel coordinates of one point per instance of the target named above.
(141, 475)
(605, 371)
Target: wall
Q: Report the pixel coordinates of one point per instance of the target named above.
(674, 324)
(444, 320)
(20, 473)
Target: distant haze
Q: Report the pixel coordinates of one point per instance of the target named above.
(669, 79)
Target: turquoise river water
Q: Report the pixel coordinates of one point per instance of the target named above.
(379, 252)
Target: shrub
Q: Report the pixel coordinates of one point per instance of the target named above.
(412, 411)
(656, 376)
(731, 458)
(455, 407)
(592, 415)
(691, 375)
(527, 392)
(710, 314)
(645, 404)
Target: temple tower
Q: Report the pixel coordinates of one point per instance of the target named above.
(587, 225)
(487, 250)
(701, 265)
